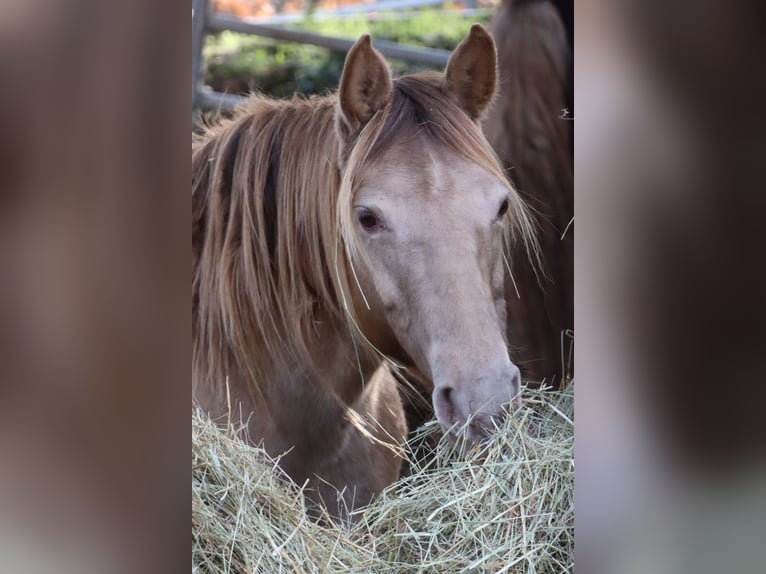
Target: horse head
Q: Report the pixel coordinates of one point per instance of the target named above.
(425, 210)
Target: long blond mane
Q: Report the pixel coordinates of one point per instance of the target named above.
(273, 235)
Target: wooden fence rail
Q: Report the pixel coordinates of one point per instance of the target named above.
(204, 22)
(430, 56)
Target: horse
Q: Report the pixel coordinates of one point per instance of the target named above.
(335, 234)
(531, 130)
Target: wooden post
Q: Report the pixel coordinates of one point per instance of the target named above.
(199, 20)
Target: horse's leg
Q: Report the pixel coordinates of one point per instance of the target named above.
(370, 456)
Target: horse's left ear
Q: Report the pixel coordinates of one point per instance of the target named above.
(471, 75)
(365, 85)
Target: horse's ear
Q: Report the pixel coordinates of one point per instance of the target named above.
(471, 75)
(365, 85)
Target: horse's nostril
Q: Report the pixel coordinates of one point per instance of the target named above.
(444, 405)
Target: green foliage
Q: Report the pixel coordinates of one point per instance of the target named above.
(238, 63)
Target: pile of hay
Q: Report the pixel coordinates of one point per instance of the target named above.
(507, 507)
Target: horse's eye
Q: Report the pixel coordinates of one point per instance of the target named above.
(503, 209)
(368, 220)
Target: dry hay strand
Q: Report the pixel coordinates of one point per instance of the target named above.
(507, 506)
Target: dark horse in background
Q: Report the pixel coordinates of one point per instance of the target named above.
(531, 128)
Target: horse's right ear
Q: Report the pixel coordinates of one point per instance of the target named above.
(365, 86)
(471, 75)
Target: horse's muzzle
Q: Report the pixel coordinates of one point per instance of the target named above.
(472, 420)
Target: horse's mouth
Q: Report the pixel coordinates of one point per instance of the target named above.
(475, 431)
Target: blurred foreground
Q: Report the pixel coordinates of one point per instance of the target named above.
(668, 288)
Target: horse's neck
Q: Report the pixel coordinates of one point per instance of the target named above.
(342, 365)
(304, 412)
